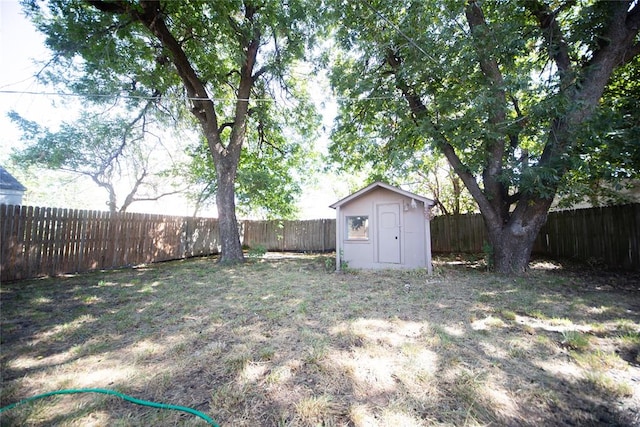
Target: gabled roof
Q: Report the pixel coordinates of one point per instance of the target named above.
(8, 182)
(378, 184)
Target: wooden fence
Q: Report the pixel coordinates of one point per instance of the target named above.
(47, 241)
(608, 236)
(38, 241)
(467, 234)
(458, 233)
(317, 235)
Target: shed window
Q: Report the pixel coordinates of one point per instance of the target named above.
(357, 228)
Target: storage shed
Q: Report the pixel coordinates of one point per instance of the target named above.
(381, 226)
(11, 190)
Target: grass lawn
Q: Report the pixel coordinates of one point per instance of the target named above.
(281, 340)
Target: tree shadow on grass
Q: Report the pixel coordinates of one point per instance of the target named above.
(289, 344)
(64, 319)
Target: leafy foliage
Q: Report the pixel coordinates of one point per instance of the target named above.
(266, 185)
(110, 148)
(609, 150)
(276, 159)
(508, 92)
(220, 61)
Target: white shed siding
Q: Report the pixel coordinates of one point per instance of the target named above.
(357, 253)
(11, 197)
(411, 233)
(414, 236)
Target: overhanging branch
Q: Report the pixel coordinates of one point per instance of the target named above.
(421, 113)
(556, 45)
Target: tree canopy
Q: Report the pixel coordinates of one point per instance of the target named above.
(220, 61)
(508, 92)
(273, 166)
(609, 157)
(108, 147)
(524, 99)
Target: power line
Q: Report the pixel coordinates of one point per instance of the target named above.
(399, 31)
(125, 96)
(175, 98)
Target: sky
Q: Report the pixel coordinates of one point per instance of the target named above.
(21, 46)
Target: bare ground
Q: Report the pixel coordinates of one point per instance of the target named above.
(283, 340)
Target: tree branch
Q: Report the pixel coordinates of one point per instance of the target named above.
(151, 199)
(631, 53)
(493, 187)
(520, 122)
(152, 18)
(632, 22)
(556, 45)
(107, 186)
(420, 112)
(250, 47)
(159, 196)
(514, 198)
(116, 7)
(118, 152)
(260, 72)
(416, 105)
(620, 47)
(130, 197)
(620, 34)
(224, 126)
(272, 145)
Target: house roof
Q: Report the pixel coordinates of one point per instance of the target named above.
(8, 182)
(379, 184)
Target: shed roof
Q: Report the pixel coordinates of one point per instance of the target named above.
(8, 182)
(379, 184)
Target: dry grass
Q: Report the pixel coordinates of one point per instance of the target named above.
(282, 341)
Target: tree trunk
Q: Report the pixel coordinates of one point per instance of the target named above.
(511, 252)
(227, 221)
(457, 193)
(512, 242)
(225, 158)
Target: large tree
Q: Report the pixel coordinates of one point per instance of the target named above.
(214, 56)
(273, 165)
(111, 149)
(509, 92)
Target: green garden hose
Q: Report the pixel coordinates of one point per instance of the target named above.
(113, 393)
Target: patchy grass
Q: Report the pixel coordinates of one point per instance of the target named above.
(281, 340)
(575, 340)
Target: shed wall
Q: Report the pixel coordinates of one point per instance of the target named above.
(11, 197)
(358, 253)
(412, 231)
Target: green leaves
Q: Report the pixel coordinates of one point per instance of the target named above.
(113, 149)
(172, 52)
(492, 84)
(607, 153)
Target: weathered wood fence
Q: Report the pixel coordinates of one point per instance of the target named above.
(606, 236)
(38, 241)
(47, 241)
(318, 235)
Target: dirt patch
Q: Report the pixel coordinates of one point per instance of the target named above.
(282, 340)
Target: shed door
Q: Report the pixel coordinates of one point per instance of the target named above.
(389, 233)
